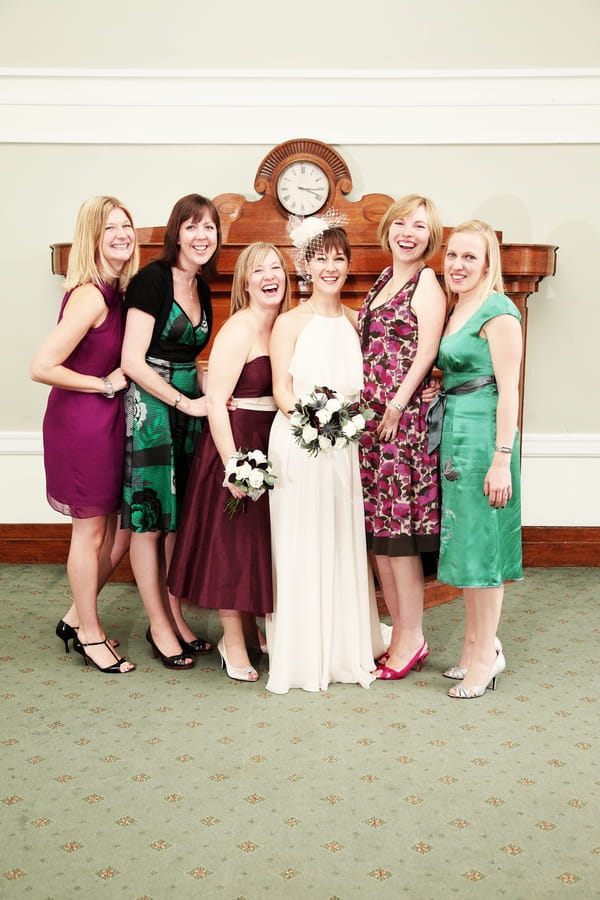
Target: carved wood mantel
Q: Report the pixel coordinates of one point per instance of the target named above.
(265, 219)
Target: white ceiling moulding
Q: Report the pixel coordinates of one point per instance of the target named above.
(106, 106)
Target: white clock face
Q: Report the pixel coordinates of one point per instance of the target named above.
(302, 188)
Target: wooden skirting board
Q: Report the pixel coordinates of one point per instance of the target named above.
(543, 547)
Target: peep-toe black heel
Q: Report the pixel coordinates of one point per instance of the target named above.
(178, 661)
(114, 669)
(66, 633)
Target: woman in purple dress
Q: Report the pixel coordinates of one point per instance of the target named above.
(400, 325)
(220, 562)
(84, 425)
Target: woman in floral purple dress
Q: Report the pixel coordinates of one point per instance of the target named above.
(400, 325)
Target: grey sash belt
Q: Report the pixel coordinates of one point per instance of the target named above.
(437, 407)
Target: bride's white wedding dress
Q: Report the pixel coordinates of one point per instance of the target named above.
(324, 627)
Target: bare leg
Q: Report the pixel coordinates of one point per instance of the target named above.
(114, 547)
(486, 608)
(470, 629)
(83, 564)
(253, 635)
(147, 562)
(403, 585)
(234, 639)
(181, 627)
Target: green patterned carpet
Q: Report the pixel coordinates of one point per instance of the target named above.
(170, 785)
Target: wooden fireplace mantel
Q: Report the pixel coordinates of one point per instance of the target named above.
(244, 221)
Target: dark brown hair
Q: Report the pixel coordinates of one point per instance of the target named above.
(192, 206)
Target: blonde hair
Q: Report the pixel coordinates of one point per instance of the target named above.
(250, 257)
(404, 207)
(85, 262)
(493, 279)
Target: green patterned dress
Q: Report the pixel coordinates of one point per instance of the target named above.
(160, 440)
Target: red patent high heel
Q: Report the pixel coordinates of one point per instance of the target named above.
(385, 673)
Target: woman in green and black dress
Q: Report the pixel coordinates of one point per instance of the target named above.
(169, 320)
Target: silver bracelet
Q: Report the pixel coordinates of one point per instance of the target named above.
(397, 406)
(503, 449)
(110, 390)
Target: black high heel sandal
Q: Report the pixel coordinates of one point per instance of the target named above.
(178, 661)
(66, 633)
(114, 669)
(196, 647)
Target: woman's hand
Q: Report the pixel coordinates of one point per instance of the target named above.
(118, 379)
(497, 484)
(195, 407)
(432, 390)
(236, 491)
(387, 429)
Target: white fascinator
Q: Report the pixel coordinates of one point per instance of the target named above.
(307, 233)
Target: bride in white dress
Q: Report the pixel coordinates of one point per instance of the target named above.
(324, 627)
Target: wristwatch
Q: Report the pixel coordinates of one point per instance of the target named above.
(110, 390)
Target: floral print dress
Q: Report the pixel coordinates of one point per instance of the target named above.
(160, 440)
(399, 478)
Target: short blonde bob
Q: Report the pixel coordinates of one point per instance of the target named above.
(405, 206)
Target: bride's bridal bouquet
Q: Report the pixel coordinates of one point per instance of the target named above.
(324, 420)
(251, 472)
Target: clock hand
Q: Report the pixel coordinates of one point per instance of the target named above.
(310, 190)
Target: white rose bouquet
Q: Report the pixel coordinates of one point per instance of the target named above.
(324, 420)
(251, 472)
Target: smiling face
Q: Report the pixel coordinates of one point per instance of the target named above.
(408, 236)
(266, 282)
(328, 270)
(117, 243)
(465, 264)
(197, 242)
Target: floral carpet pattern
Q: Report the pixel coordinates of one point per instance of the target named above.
(159, 784)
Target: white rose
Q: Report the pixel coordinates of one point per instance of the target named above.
(341, 442)
(359, 421)
(324, 443)
(255, 479)
(333, 405)
(324, 415)
(349, 429)
(309, 434)
(244, 471)
(257, 456)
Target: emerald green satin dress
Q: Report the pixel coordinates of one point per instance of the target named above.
(479, 546)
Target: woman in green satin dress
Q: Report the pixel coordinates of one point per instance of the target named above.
(480, 356)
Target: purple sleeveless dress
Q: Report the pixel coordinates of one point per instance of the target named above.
(84, 434)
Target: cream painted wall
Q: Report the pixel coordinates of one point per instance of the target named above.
(311, 34)
(533, 193)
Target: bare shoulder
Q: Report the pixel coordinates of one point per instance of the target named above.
(292, 322)
(429, 287)
(87, 302)
(351, 314)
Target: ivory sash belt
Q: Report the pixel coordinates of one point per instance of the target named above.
(259, 404)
